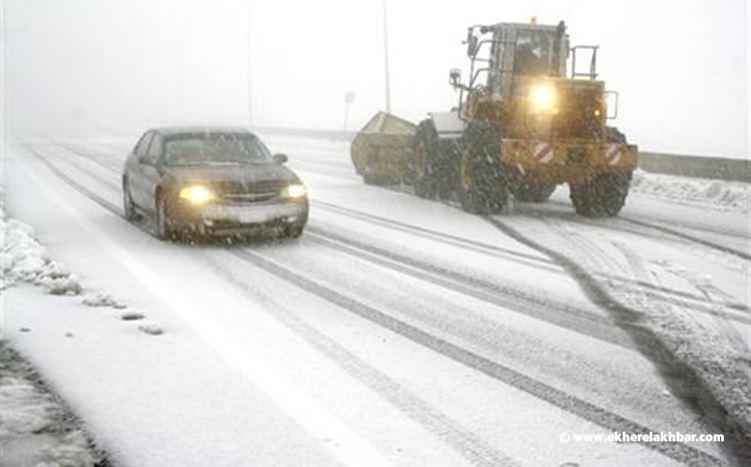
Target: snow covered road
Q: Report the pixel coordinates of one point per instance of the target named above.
(395, 331)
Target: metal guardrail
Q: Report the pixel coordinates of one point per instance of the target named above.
(331, 135)
(717, 168)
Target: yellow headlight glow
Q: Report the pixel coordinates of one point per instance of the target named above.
(196, 194)
(542, 98)
(295, 191)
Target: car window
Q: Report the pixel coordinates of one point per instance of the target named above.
(155, 148)
(215, 148)
(143, 145)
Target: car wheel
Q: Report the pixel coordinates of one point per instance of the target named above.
(129, 209)
(293, 231)
(162, 221)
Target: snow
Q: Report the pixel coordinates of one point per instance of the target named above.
(250, 366)
(103, 300)
(23, 259)
(715, 194)
(36, 429)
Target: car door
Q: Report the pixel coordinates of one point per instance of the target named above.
(136, 177)
(151, 171)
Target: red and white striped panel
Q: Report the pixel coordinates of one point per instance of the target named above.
(613, 154)
(543, 152)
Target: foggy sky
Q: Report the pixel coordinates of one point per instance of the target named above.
(97, 67)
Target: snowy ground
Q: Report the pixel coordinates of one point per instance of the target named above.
(36, 429)
(396, 330)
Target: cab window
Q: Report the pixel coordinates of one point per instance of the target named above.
(533, 53)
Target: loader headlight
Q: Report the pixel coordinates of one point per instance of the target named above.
(197, 194)
(542, 98)
(294, 191)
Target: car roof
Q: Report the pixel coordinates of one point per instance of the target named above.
(179, 130)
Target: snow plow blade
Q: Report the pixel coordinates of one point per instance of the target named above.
(382, 150)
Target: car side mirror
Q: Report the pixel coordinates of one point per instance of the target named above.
(280, 158)
(455, 77)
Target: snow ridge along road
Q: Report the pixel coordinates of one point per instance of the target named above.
(414, 305)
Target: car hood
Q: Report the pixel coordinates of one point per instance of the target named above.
(244, 174)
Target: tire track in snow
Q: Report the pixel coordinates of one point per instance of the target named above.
(485, 248)
(588, 411)
(114, 209)
(726, 328)
(568, 317)
(470, 446)
(699, 303)
(613, 224)
(679, 375)
(692, 238)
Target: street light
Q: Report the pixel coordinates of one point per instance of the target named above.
(386, 58)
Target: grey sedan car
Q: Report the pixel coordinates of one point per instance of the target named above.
(211, 181)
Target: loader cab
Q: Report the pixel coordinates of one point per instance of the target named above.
(526, 50)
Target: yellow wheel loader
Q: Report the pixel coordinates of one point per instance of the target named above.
(528, 119)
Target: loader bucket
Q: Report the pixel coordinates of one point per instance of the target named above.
(382, 151)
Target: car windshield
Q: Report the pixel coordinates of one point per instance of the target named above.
(215, 148)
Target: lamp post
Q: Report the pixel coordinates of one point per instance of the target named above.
(248, 64)
(386, 57)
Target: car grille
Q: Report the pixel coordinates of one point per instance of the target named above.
(244, 193)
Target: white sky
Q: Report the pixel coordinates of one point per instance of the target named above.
(105, 66)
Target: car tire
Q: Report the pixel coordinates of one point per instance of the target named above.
(293, 231)
(129, 209)
(161, 219)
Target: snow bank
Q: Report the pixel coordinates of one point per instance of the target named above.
(23, 259)
(103, 300)
(36, 428)
(717, 194)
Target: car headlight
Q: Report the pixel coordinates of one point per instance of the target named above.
(197, 194)
(294, 191)
(542, 98)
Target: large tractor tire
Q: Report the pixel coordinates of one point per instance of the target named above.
(605, 195)
(482, 185)
(425, 156)
(528, 189)
(433, 176)
(379, 180)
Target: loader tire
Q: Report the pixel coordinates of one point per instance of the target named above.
(432, 163)
(482, 184)
(425, 152)
(378, 180)
(529, 190)
(603, 196)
